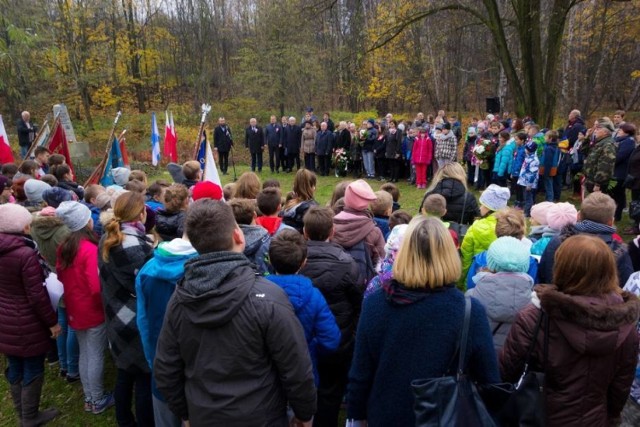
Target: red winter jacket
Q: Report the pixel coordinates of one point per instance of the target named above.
(422, 152)
(81, 283)
(25, 309)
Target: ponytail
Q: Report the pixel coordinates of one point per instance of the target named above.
(128, 208)
(113, 237)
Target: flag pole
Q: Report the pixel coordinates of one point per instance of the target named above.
(206, 108)
(99, 170)
(35, 140)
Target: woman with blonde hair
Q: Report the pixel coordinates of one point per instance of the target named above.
(124, 249)
(248, 186)
(304, 189)
(451, 182)
(409, 329)
(588, 327)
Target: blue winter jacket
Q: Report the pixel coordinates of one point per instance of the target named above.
(480, 261)
(95, 216)
(626, 145)
(382, 222)
(518, 160)
(155, 284)
(550, 157)
(320, 327)
(504, 159)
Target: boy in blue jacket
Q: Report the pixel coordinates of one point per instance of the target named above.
(529, 176)
(155, 284)
(288, 254)
(549, 167)
(518, 159)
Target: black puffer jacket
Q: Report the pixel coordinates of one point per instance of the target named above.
(170, 225)
(335, 274)
(454, 192)
(394, 143)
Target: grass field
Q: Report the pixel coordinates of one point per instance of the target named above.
(68, 398)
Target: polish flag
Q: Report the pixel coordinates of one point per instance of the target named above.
(170, 139)
(6, 155)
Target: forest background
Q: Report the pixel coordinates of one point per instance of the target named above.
(254, 58)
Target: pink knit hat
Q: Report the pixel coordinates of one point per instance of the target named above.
(13, 218)
(561, 214)
(539, 212)
(358, 195)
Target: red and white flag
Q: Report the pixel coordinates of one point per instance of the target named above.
(170, 139)
(6, 155)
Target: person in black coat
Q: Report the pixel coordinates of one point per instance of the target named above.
(273, 140)
(292, 140)
(324, 147)
(450, 182)
(330, 126)
(222, 143)
(26, 133)
(626, 141)
(393, 150)
(343, 137)
(254, 141)
(379, 150)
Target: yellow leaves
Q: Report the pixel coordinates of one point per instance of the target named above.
(103, 97)
(635, 74)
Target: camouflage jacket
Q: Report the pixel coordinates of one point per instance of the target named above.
(599, 165)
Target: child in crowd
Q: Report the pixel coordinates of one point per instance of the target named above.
(155, 284)
(335, 273)
(50, 179)
(467, 154)
(483, 230)
(91, 194)
(338, 193)
(155, 196)
(42, 159)
(257, 239)
(170, 220)
(192, 174)
(271, 183)
(120, 177)
(248, 186)
(558, 216)
(33, 189)
(399, 217)
(538, 219)
(288, 253)
(407, 151)
(385, 269)
(504, 287)
(504, 158)
(229, 191)
(435, 205)
(421, 157)
(509, 222)
(77, 268)
(304, 188)
(65, 180)
(395, 194)
(595, 217)
(9, 170)
(518, 159)
(269, 204)
(206, 190)
(549, 164)
(528, 180)
(381, 208)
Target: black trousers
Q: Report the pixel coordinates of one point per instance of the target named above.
(274, 158)
(256, 161)
(619, 195)
(324, 164)
(128, 384)
(333, 371)
(381, 167)
(223, 160)
(291, 158)
(394, 168)
(310, 161)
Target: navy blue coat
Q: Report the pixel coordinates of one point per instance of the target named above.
(292, 139)
(324, 143)
(626, 145)
(573, 129)
(273, 135)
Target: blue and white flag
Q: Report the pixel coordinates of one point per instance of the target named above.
(155, 141)
(207, 163)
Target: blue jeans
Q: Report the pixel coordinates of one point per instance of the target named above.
(68, 349)
(25, 369)
(552, 188)
(23, 150)
(369, 163)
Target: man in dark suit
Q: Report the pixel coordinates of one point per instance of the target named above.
(292, 141)
(254, 141)
(222, 143)
(26, 133)
(273, 137)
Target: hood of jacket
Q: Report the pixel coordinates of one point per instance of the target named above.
(214, 287)
(502, 294)
(254, 237)
(449, 188)
(11, 242)
(170, 258)
(45, 227)
(592, 325)
(350, 228)
(299, 289)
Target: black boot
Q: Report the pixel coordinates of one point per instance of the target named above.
(16, 395)
(31, 417)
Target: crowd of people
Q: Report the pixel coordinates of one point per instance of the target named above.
(254, 305)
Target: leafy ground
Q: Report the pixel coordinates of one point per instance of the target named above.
(69, 398)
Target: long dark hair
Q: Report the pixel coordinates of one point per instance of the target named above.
(69, 246)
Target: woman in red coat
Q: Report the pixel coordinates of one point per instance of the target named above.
(26, 315)
(592, 339)
(421, 156)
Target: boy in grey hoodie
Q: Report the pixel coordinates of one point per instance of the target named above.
(257, 238)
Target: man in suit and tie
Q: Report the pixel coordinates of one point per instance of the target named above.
(273, 139)
(254, 141)
(292, 141)
(222, 143)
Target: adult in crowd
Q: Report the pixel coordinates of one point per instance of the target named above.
(325, 141)
(587, 344)
(308, 145)
(393, 150)
(124, 249)
(27, 318)
(254, 141)
(291, 143)
(600, 163)
(626, 143)
(221, 306)
(633, 174)
(223, 143)
(451, 182)
(273, 140)
(422, 292)
(343, 137)
(618, 118)
(26, 133)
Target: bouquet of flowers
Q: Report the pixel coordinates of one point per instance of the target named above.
(481, 152)
(341, 161)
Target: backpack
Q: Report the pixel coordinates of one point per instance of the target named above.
(362, 256)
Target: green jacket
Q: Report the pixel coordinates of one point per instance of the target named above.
(48, 232)
(599, 164)
(478, 238)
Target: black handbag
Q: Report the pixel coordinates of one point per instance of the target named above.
(634, 210)
(524, 403)
(451, 400)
